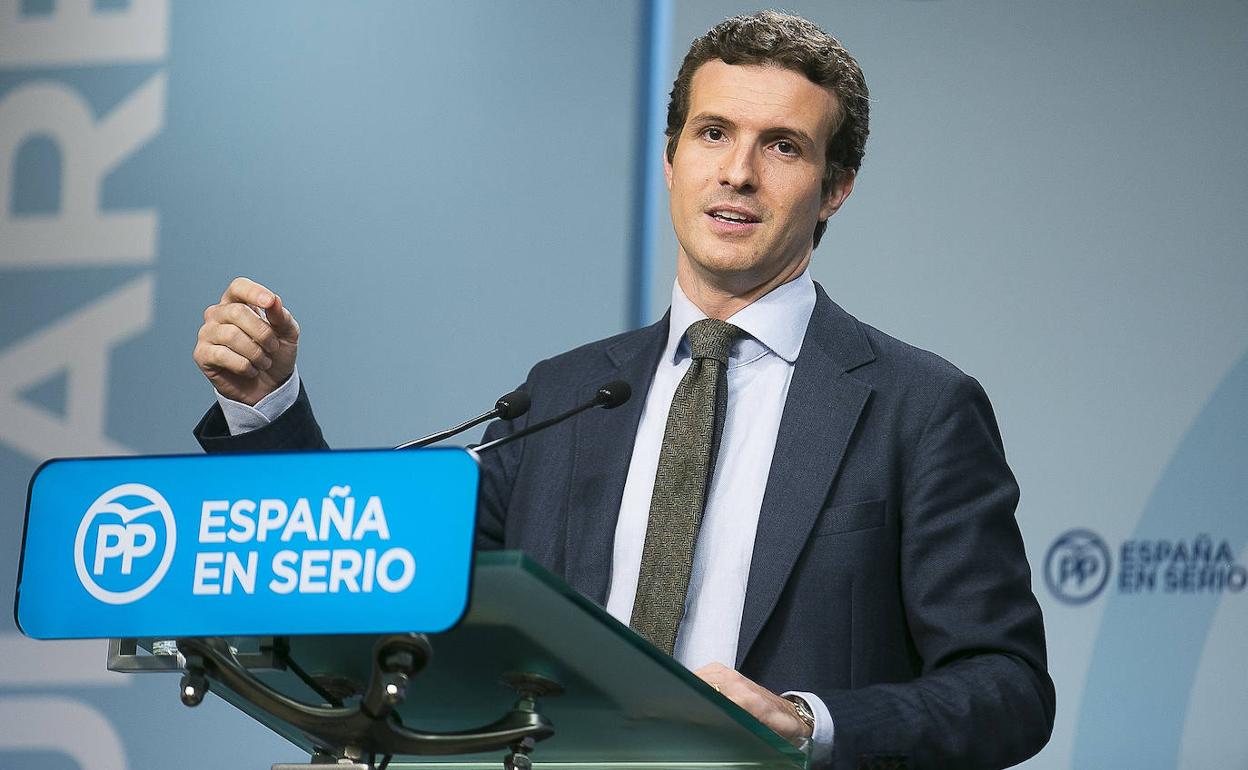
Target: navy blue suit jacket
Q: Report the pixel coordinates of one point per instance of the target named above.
(888, 574)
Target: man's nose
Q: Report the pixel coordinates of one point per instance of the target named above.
(738, 169)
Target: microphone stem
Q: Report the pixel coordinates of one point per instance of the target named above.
(534, 427)
(433, 438)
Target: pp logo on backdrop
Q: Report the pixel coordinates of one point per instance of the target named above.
(125, 544)
(1076, 567)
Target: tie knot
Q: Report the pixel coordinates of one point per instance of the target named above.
(710, 338)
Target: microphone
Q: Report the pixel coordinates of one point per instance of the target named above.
(609, 396)
(509, 407)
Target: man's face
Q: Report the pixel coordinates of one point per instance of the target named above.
(745, 181)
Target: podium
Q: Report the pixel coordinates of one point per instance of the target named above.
(608, 698)
(532, 675)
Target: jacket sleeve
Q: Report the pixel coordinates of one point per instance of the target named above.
(296, 428)
(499, 468)
(984, 698)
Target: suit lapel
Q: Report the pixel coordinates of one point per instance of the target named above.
(604, 448)
(822, 409)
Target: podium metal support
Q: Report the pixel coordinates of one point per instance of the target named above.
(371, 726)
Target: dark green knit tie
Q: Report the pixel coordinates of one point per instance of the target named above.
(686, 463)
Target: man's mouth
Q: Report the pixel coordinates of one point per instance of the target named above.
(733, 215)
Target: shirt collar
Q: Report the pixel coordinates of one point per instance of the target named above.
(776, 322)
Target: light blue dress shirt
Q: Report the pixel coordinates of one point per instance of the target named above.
(760, 368)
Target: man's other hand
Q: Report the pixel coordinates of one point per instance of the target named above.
(246, 347)
(767, 707)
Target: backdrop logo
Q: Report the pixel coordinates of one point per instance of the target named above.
(1077, 566)
(117, 552)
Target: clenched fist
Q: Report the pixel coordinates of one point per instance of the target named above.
(246, 347)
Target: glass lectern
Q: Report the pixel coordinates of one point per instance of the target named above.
(602, 697)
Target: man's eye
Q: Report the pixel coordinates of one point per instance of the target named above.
(786, 148)
(714, 134)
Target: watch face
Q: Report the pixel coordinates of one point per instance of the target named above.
(802, 709)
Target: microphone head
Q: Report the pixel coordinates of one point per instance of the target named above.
(613, 394)
(512, 405)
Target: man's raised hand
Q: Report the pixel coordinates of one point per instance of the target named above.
(246, 347)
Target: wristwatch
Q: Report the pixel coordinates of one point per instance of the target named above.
(802, 711)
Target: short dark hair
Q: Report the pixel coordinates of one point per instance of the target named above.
(791, 42)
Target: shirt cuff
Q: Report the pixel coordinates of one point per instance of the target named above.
(825, 731)
(241, 418)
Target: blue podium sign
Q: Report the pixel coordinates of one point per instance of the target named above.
(372, 541)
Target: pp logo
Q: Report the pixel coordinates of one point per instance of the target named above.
(1077, 566)
(116, 551)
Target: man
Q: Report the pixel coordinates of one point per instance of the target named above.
(814, 516)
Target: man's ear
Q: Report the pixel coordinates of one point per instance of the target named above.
(667, 169)
(837, 194)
